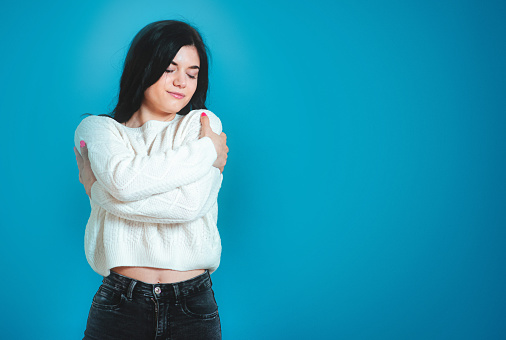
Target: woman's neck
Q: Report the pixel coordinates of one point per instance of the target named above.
(143, 115)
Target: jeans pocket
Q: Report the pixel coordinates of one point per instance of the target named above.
(108, 298)
(201, 304)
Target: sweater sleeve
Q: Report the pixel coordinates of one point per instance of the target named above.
(183, 204)
(130, 177)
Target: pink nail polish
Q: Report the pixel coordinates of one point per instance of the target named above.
(82, 143)
(203, 114)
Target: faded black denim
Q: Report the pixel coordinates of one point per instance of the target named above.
(124, 308)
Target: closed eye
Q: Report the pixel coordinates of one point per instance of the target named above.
(189, 75)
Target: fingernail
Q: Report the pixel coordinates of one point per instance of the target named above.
(203, 114)
(82, 143)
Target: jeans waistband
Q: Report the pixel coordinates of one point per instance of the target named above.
(171, 291)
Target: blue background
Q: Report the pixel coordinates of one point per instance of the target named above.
(364, 193)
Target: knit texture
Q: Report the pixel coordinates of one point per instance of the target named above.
(155, 200)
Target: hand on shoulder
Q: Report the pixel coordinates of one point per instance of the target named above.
(218, 137)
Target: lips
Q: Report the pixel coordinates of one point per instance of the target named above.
(176, 95)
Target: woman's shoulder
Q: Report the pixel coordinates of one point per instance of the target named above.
(96, 126)
(97, 121)
(99, 125)
(193, 117)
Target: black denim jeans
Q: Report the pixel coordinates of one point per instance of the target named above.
(124, 308)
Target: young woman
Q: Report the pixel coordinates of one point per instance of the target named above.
(153, 170)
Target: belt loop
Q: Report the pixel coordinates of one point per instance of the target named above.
(131, 288)
(176, 292)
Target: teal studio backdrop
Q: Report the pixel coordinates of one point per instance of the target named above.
(364, 193)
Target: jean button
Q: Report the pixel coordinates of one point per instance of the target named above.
(158, 290)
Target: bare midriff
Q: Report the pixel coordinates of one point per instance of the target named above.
(157, 275)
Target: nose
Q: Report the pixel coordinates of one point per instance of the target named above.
(179, 80)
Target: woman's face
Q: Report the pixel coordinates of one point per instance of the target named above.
(176, 86)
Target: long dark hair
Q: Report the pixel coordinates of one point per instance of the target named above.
(150, 52)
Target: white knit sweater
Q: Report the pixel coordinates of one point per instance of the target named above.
(154, 203)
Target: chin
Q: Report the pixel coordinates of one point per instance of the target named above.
(178, 106)
(173, 109)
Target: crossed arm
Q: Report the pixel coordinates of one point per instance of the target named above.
(183, 204)
(179, 185)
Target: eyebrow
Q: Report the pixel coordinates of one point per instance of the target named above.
(194, 66)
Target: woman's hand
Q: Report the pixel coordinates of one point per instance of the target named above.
(86, 176)
(220, 142)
